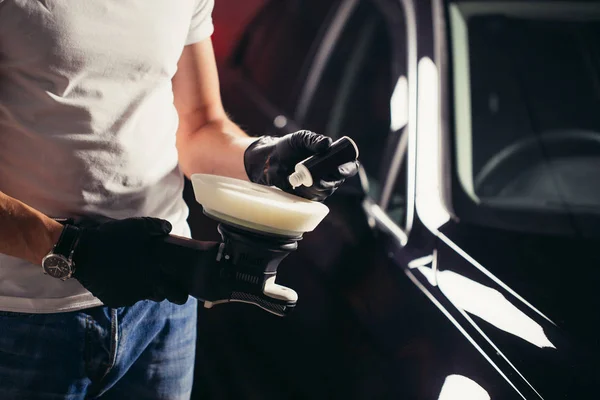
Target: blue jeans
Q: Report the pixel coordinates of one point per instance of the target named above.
(145, 351)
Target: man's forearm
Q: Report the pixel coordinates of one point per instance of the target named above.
(216, 148)
(207, 140)
(25, 232)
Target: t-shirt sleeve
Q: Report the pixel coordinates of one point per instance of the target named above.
(201, 25)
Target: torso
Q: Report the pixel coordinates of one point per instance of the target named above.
(87, 122)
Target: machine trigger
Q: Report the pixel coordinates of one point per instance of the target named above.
(279, 292)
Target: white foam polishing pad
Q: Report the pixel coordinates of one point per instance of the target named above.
(259, 207)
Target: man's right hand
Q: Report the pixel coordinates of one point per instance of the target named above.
(118, 262)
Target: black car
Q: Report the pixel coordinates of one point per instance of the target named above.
(462, 262)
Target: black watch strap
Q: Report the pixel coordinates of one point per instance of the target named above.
(65, 221)
(67, 241)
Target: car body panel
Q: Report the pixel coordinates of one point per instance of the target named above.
(430, 309)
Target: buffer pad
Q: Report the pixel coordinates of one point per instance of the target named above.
(257, 207)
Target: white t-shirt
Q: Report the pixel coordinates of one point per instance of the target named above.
(87, 121)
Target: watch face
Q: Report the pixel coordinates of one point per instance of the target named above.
(57, 267)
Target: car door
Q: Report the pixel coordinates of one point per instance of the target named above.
(449, 357)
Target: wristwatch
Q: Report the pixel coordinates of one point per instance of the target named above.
(58, 263)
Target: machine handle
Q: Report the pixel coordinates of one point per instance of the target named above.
(276, 299)
(279, 308)
(220, 273)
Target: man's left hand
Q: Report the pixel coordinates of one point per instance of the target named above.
(270, 160)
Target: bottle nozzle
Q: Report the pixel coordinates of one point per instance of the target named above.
(317, 166)
(301, 176)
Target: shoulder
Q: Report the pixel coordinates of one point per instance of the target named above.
(201, 26)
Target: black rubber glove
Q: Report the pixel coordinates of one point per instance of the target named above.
(270, 160)
(121, 262)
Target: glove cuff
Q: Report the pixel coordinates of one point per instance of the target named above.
(256, 157)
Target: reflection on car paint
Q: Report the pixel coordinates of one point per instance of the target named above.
(491, 306)
(460, 387)
(430, 208)
(462, 329)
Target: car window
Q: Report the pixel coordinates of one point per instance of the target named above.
(354, 93)
(533, 128)
(278, 45)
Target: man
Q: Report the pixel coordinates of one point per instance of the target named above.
(104, 106)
